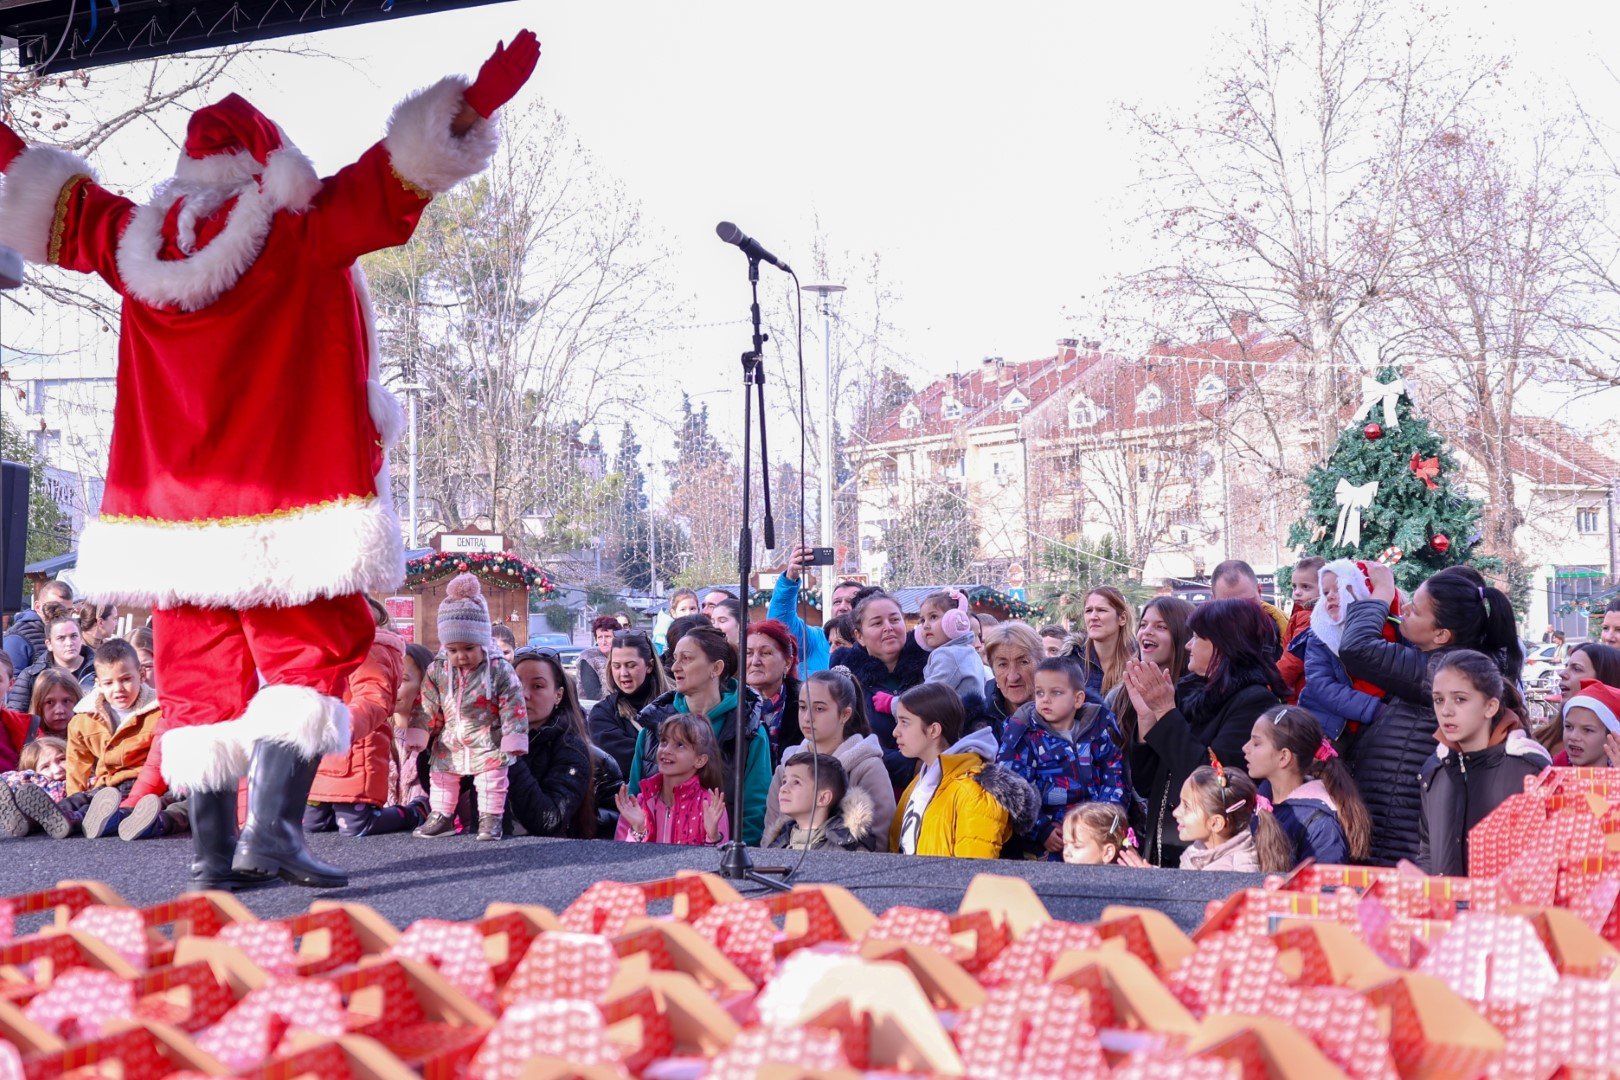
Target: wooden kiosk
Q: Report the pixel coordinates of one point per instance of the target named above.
(507, 582)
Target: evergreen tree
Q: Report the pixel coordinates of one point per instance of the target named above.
(1434, 527)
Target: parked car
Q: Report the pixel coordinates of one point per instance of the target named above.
(563, 645)
(1544, 661)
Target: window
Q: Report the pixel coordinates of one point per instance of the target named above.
(910, 416)
(1016, 402)
(1141, 474)
(950, 409)
(1150, 398)
(1210, 388)
(1082, 413)
(1586, 519)
(1001, 467)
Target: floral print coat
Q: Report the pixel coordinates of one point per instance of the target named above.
(477, 717)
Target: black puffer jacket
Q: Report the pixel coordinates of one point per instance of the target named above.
(22, 687)
(25, 641)
(612, 730)
(1459, 790)
(1181, 741)
(876, 677)
(548, 785)
(608, 779)
(1390, 752)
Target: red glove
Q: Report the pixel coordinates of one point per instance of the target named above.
(504, 74)
(10, 147)
(883, 702)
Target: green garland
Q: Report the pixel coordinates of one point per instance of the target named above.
(497, 568)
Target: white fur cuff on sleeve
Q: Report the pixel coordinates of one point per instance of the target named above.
(420, 145)
(29, 196)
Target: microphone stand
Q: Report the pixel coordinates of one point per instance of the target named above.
(735, 864)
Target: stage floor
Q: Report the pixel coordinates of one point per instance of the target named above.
(406, 879)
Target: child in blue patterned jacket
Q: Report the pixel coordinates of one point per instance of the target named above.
(1067, 744)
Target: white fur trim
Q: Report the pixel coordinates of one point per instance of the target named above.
(288, 177)
(384, 407)
(213, 757)
(329, 550)
(28, 198)
(236, 167)
(421, 147)
(1604, 714)
(199, 279)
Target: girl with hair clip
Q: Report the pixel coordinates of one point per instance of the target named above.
(833, 719)
(1452, 610)
(1097, 834)
(1316, 813)
(1483, 756)
(1217, 805)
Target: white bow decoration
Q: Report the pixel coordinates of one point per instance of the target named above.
(1352, 501)
(1374, 393)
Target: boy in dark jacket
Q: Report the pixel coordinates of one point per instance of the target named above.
(1067, 745)
(819, 809)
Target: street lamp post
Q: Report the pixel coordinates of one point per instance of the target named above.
(411, 390)
(826, 291)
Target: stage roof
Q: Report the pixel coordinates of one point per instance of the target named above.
(67, 35)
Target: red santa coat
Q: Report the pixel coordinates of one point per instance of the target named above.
(247, 465)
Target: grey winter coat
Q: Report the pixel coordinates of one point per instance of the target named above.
(862, 759)
(957, 665)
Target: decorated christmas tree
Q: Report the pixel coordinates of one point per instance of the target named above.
(1386, 494)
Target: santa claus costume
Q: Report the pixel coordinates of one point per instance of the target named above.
(247, 497)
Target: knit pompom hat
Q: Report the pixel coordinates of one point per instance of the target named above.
(464, 617)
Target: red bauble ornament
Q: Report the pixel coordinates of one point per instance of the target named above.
(1374, 432)
(1441, 543)
(462, 567)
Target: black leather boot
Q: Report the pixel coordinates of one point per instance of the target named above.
(213, 842)
(272, 841)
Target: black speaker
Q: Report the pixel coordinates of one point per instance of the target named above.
(13, 534)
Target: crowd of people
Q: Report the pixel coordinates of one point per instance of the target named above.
(1361, 726)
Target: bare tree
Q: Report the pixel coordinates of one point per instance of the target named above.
(522, 304)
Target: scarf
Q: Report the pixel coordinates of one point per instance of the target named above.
(1196, 703)
(635, 700)
(922, 793)
(727, 706)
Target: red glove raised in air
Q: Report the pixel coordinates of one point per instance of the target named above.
(10, 147)
(504, 74)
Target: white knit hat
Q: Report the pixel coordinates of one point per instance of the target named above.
(464, 617)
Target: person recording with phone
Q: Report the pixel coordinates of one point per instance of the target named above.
(784, 607)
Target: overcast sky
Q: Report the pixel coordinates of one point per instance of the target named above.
(977, 147)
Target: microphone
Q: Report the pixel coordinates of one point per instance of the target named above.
(751, 247)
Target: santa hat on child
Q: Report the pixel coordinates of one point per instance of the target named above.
(464, 617)
(231, 142)
(1602, 699)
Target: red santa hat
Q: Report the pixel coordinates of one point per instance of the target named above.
(1602, 700)
(230, 142)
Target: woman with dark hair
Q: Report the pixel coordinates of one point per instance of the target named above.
(637, 678)
(726, 613)
(677, 630)
(1230, 681)
(1452, 610)
(771, 672)
(704, 671)
(551, 788)
(594, 682)
(1587, 662)
(887, 661)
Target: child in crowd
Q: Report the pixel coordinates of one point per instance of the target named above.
(411, 728)
(819, 809)
(1213, 817)
(1095, 834)
(16, 727)
(1316, 813)
(43, 765)
(945, 631)
(504, 639)
(475, 708)
(683, 803)
(960, 802)
(145, 649)
(840, 633)
(1484, 756)
(832, 716)
(109, 738)
(1591, 716)
(1341, 705)
(1067, 745)
(1307, 589)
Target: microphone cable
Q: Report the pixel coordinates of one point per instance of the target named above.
(804, 683)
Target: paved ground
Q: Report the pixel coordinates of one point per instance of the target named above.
(454, 878)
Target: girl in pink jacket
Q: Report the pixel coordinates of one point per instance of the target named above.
(683, 803)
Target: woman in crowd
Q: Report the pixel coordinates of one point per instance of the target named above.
(1012, 649)
(1452, 610)
(1231, 680)
(887, 661)
(705, 677)
(550, 788)
(594, 681)
(97, 622)
(1588, 661)
(771, 671)
(637, 678)
(726, 614)
(54, 695)
(65, 651)
(1106, 621)
(1161, 640)
(677, 630)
